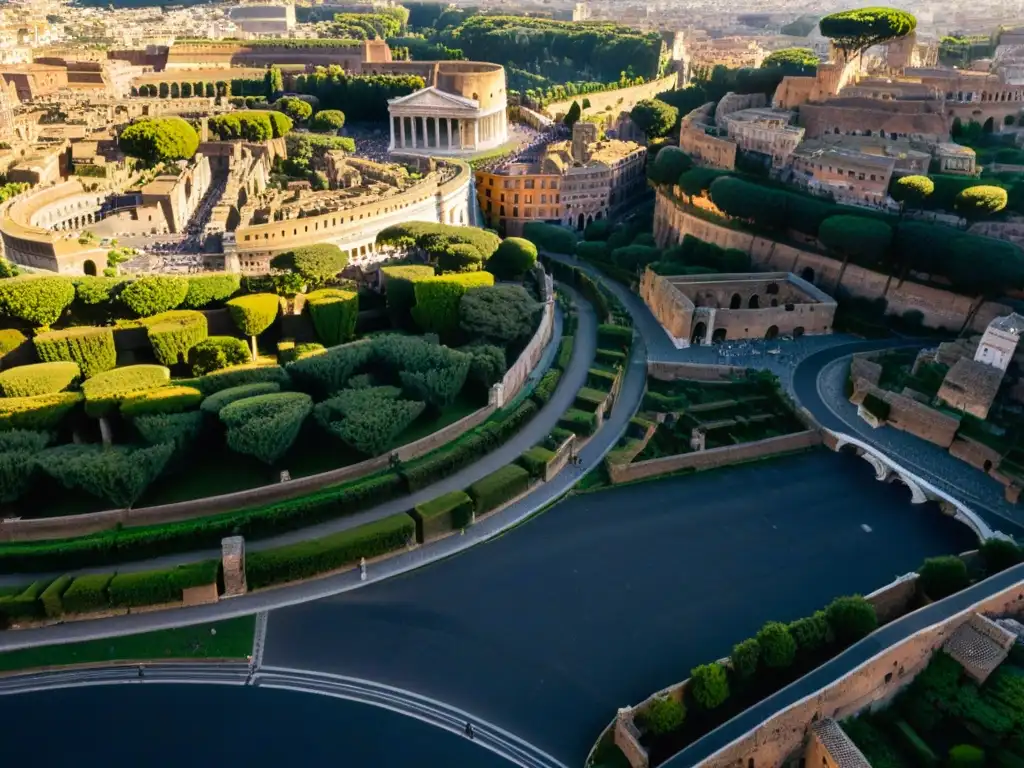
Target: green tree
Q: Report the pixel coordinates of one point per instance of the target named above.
(265, 426)
(159, 139)
(855, 30)
(297, 109)
(999, 554)
(654, 117)
(858, 237)
(663, 715)
(154, 294)
(669, 165)
(499, 314)
(851, 619)
(513, 259)
(810, 632)
(460, 257)
(315, 264)
(794, 61)
(273, 84)
(327, 120)
(912, 191)
(778, 648)
(943, 576)
(709, 685)
(573, 115)
(745, 657)
(39, 301)
(117, 474)
(253, 314)
(981, 201)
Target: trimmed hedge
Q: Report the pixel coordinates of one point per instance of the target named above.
(614, 336)
(214, 403)
(51, 597)
(92, 348)
(266, 426)
(10, 340)
(38, 379)
(162, 400)
(600, 380)
(104, 392)
(437, 300)
(536, 460)
(449, 512)
(400, 290)
(550, 237)
(217, 381)
(39, 301)
(254, 313)
(309, 558)
(588, 399)
(42, 412)
(547, 385)
(564, 352)
(498, 487)
(154, 294)
(204, 290)
(611, 357)
(24, 605)
(118, 474)
(181, 429)
(87, 593)
(334, 313)
(160, 586)
(579, 422)
(174, 334)
(216, 353)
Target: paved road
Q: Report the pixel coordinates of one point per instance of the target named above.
(842, 665)
(609, 596)
(534, 431)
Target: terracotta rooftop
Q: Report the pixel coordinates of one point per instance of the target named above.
(980, 379)
(839, 746)
(979, 645)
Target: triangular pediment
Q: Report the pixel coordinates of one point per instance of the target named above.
(432, 98)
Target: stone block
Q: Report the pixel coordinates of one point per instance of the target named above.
(233, 562)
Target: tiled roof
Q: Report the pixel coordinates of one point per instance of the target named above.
(980, 646)
(839, 745)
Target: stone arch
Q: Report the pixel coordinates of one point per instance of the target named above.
(798, 332)
(772, 332)
(718, 335)
(736, 301)
(590, 219)
(754, 302)
(581, 222)
(89, 267)
(700, 330)
(917, 494)
(882, 470)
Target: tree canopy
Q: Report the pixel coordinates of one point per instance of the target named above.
(159, 139)
(856, 237)
(297, 109)
(980, 201)
(327, 120)
(499, 314)
(797, 61)
(513, 259)
(854, 30)
(315, 264)
(573, 115)
(654, 117)
(912, 191)
(669, 164)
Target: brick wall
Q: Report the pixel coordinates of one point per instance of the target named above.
(562, 455)
(908, 415)
(694, 372)
(516, 376)
(715, 457)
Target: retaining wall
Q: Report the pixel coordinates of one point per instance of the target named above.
(562, 455)
(515, 377)
(620, 100)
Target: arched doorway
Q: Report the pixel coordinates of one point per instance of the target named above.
(754, 303)
(798, 332)
(89, 267)
(700, 330)
(736, 301)
(772, 332)
(580, 222)
(807, 274)
(718, 335)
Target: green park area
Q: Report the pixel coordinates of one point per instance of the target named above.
(230, 639)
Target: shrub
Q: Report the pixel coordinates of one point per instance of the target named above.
(174, 334)
(161, 400)
(17, 471)
(39, 301)
(709, 685)
(459, 257)
(24, 440)
(217, 381)
(663, 715)
(53, 607)
(154, 294)
(486, 365)
(38, 379)
(535, 460)
(327, 120)
(160, 586)
(614, 336)
(999, 554)
(603, 381)
(10, 340)
(980, 201)
(265, 426)
(778, 648)
(966, 756)
(160, 139)
(588, 399)
(547, 385)
(943, 576)
(24, 605)
(810, 632)
(253, 314)
(437, 300)
(204, 290)
(216, 402)
(104, 392)
(91, 348)
(42, 412)
(744, 658)
(215, 353)
(315, 264)
(87, 593)
(579, 422)
(322, 375)
(399, 285)
(181, 429)
(610, 357)
(851, 618)
(449, 512)
(669, 164)
(334, 313)
(300, 561)
(289, 351)
(550, 237)
(118, 474)
(513, 259)
(500, 314)
(564, 352)
(368, 419)
(498, 487)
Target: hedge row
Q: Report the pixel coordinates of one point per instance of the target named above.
(498, 487)
(309, 558)
(448, 512)
(579, 422)
(38, 379)
(536, 460)
(547, 385)
(564, 352)
(160, 586)
(91, 348)
(590, 400)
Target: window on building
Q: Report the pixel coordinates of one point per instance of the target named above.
(515, 212)
(515, 198)
(528, 213)
(528, 184)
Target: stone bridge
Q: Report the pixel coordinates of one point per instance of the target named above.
(921, 491)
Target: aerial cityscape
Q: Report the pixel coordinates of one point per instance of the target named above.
(602, 384)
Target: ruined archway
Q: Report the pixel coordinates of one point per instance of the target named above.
(772, 332)
(89, 267)
(736, 301)
(700, 330)
(807, 274)
(718, 335)
(755, 302)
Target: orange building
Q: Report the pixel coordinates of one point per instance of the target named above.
(518, 193)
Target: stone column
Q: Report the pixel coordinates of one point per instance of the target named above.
(437, 132)
(391, 127)
(232, 555)
(476, 133)
(401, 130)
(412, 127)
(448, 123)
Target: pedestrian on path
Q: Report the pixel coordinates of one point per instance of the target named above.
(469, 730)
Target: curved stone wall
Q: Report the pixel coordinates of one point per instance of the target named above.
(477, 80)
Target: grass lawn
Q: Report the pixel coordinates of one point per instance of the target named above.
(233, 640)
